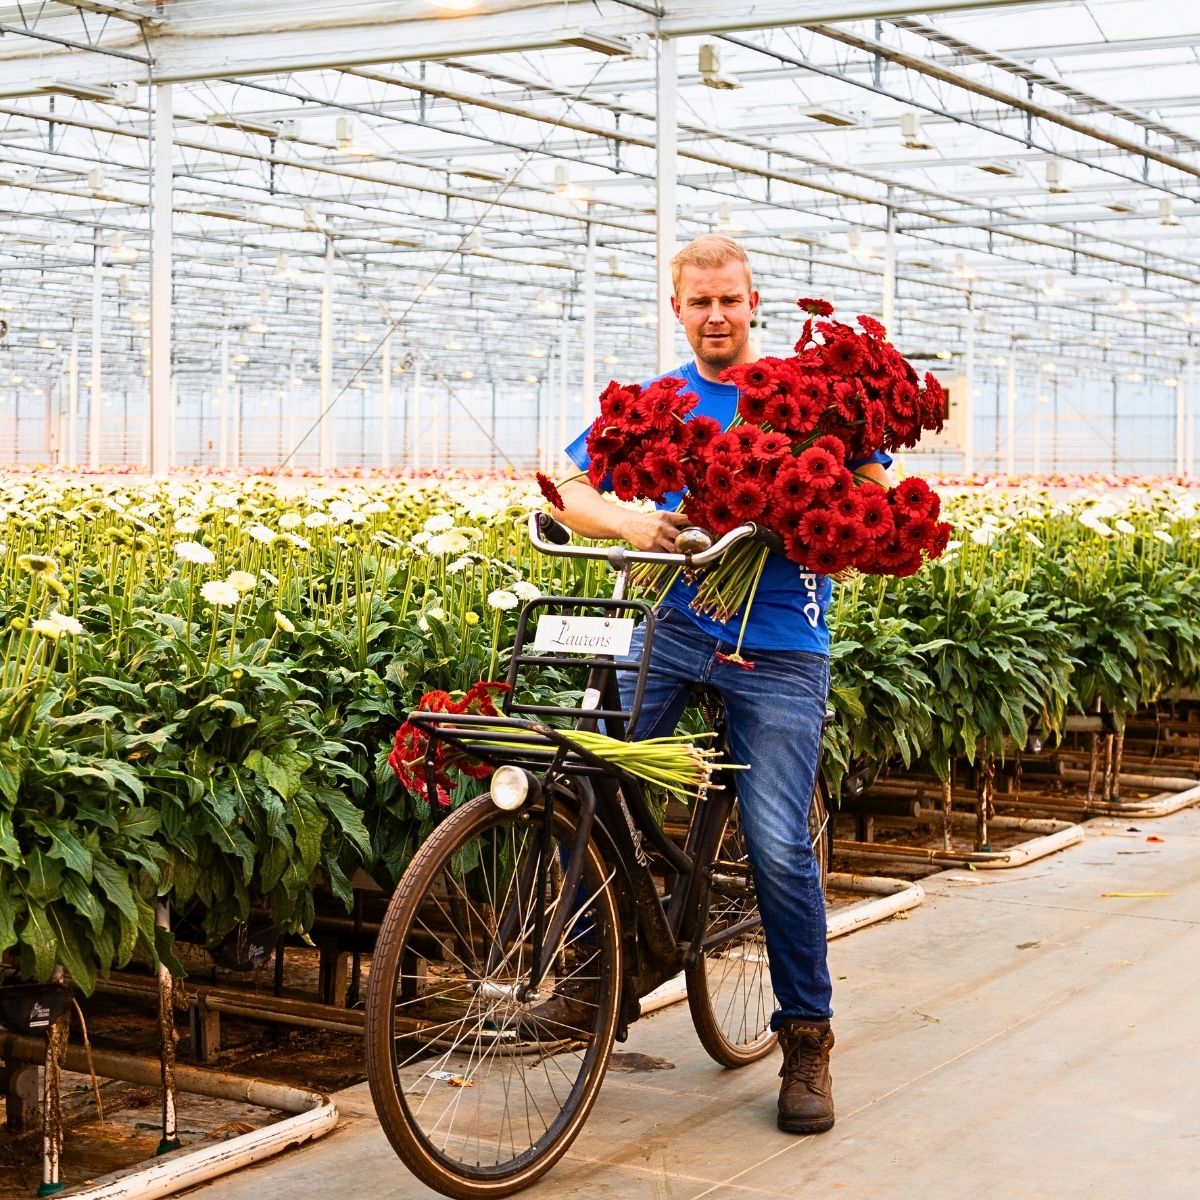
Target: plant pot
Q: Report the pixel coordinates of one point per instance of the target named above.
(32, 1007)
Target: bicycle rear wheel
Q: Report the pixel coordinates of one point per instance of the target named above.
(480, 1087)
(729, 989)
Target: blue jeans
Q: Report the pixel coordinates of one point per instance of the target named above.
(774, 715)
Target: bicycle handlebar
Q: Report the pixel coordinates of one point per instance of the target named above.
(548, 536)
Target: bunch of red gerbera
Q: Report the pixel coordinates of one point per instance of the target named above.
(845, 394)
(407, 758)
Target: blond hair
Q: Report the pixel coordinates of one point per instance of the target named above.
(708, 251)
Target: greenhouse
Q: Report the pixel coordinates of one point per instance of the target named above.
(524, 515)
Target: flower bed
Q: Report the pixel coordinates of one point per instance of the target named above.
(202, 680)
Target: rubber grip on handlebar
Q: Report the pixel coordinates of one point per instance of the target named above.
(552, 531)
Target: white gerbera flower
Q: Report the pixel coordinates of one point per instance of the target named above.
(283, 624)
(242, 580)
(187, 525)
(315, 520)
(438, 523)
(224, 500)
(985, 535)
(260, 533)
(290, 520)
(65, 623)
(46, 628)
(525, 590)
(459, 564)
(1123, 526)
(301, 543)
(502, 599)
(194, 552)
(1030, 536)
(453, 541)
(1164, 536)
(220, 593)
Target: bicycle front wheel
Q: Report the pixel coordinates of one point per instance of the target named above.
(479, 1083)
(729, 989)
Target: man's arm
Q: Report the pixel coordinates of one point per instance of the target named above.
(590, 515)
(873, 472)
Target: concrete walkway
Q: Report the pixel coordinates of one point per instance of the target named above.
(1021, 1036)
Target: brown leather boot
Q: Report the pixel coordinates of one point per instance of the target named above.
(806, 1094)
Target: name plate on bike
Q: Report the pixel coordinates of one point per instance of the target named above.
(584, 635)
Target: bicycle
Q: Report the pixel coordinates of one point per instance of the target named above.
(523, 934)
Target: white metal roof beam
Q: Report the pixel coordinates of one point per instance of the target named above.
(229, 38)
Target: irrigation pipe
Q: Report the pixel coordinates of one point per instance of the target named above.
(313, 1116)
(890, 896)
(1054, 836)
(1175, 793)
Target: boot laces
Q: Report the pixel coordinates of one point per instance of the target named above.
(804, 1059)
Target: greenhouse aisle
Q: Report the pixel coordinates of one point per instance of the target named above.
(1024, 1034)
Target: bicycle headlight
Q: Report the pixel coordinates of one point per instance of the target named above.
(511, 787)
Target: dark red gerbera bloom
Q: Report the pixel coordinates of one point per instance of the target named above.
(841, 484)
(816, 528)
(597, 471)
(791, 488)
(783, 413)
(812, 388)
(849, 507)
(774, 445)
(667, 472)
(702, 430)
(747, 500)
(719, 478)
(911, 497)
(876, 513)
(638, 418)
(724, 448)
(815, 308)
(624, 481)
(721, 518)
(818, 467)
(549, 491)
(615, 400)
(845, 535)
(832, 445)
(747, 438)
(844, 355)
(829, 561)
(753, 409)
(873, 327)
(914, 535)
(753, 379)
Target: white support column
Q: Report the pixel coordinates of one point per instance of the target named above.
(235, 425)
(1180, 425)
(162, 215)
(224, 397)
(70, 443)
(666, 136)
(414, 440)
(560, 444)
(1189, 464)
(1010, 417)
(96, 401)
(324, 440)
(588, 374)
(888, 304)
(968, 400)
(385, 403)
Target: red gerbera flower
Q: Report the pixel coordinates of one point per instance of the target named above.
(876, 514)
(753, 409)
(792, 489)
(721, 517)
(815, 308)
(911, 497)
(936, 546)
(913, 535)
(832, 445)
(873, 327)
(783, 413)
(844, 355)
(849, 506)
(829, 561)
(747, 500)
(818, 467)
(667, 473)
(752, 379)
(774, 445)
(747, 439)
(624, 481)
(720, 478)
(816, 528)
(845, 535)
(551, 493)
(701, 431)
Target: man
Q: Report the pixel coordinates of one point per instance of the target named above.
(775, 710)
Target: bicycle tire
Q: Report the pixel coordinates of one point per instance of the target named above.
(729, 989)
(478, 1095)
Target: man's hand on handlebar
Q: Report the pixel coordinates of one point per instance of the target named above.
(654, 530)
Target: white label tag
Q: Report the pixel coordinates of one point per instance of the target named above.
(584, 635)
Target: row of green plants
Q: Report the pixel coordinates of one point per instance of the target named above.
(200, 680)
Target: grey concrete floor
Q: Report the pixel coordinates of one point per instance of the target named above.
(1020, 1036)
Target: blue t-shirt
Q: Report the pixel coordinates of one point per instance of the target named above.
(788, 611)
